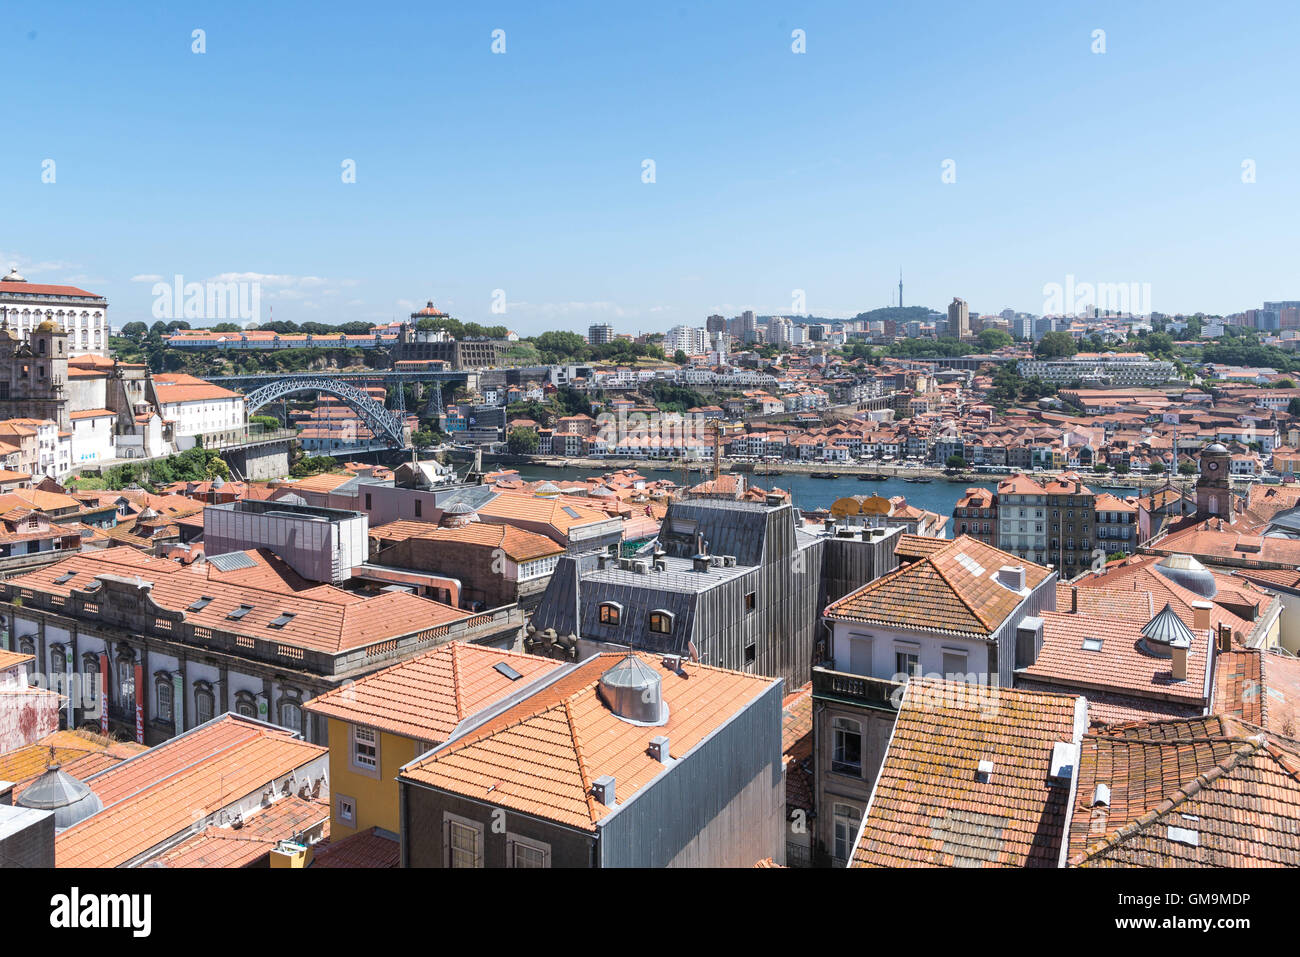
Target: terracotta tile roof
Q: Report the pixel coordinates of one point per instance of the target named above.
(427, 696)
(1261, 688)
(511, 505)
(10, 658)
(1141, 579)
(44, 289)
(1195, 792)
(797, 749)
(952, 589)
(251, 842)
(324, 482)
(518, 544)
(911, 546)
(540, 756)
(372, 847)
(325, 618)
(178, 387)
(930, 807)
(156, 795)
(1121, 664)
(91, 414)
(79, 753)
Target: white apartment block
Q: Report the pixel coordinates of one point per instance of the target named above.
(1111, 368)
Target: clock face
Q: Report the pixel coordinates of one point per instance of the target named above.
(1214, 466)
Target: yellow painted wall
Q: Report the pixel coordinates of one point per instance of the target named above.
(376, 798)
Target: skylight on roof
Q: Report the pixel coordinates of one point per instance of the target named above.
(240, 612)
(201, 603)
(569, 512)
(65, 577)
(506, 670)
(1092, 644)
(280, 620)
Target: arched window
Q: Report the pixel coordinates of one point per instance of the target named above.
(162, 689)
(611, 613)
(126, 684)
(661, 622)
(26, 646)
(205, 702)
(246, 704)
(90, 676)
(291, 713)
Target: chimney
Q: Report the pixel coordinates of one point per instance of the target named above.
(1178, 669)
(1225, 638)
(1074, 599)
(1201, 616)
(659, 749)
(602, 789)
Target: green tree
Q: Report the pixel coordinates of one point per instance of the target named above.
(956, 462)
(991, 339)
(1121, 468)
(522, 441)
(422, 438)
(1056, 345)
(1187, 468)
(135, 331)
(680, 357)
(1157, 467)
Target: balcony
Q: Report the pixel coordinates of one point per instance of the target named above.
(860, 690)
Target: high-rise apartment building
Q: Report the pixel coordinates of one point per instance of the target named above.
(600, 334)
(959, 318)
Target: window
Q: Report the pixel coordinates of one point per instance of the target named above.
(521, 852)
(611, 613)
(847, 818)
(163, 696)
(907, 662)
(846, 746)
(201, 603)
(750, 603)
(279, 621)
(245, 704)
(661, 622)
(347, 808)
(464, 842)
(954, 664)
(1092, 644)
(367, 501)
(365, 748)
(418, 506)
(290, 715)
(126, 685)
(204, 703)
(240, 612)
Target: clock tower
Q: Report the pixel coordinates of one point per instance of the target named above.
(1214, 488)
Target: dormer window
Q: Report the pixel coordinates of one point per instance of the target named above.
(240, 612)
(611, 613)
(661, 622)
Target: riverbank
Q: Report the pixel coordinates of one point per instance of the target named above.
(701, 470)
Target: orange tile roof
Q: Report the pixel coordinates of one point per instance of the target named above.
(953, 588)
(930, 808)
(540, 756)
(10, 658)
(369, 848)
(796, 749)
(178, 387)
(1261, 688)
(426, 697)
(325, 618)
(79, 753)
(1190, 792)
(512, 505)
(518, 544)
(91, 414)
(255, 838)
(158, 794)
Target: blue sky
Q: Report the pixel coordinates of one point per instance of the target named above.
(774, 171)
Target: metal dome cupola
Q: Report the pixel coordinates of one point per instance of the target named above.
(57, 791)
(634, 691)
(1165, 632)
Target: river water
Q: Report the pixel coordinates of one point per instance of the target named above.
(810, 493)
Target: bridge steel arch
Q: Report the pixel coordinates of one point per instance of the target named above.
(383, 423)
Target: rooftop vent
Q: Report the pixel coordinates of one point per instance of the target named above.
(633, 691)
(984, 772)
(659, 749)
(1101, 795)
(602, 789)
(1012, 577)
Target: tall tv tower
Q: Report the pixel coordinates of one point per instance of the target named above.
(900, 287)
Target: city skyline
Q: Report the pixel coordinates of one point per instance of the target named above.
(779, 177)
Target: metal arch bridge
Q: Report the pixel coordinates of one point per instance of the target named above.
(383, 423)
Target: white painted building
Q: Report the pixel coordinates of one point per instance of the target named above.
(197, 408)
(83, 315)
(92, 436)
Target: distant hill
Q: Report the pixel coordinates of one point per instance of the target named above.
(899, 314)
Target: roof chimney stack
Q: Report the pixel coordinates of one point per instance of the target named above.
(1201, 616)
(659, 749)
(1178, 666)
(1225, 638)
(602, 789)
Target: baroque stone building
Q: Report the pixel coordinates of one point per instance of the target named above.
(84, 315)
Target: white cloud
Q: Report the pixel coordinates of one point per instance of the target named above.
(147, 277)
